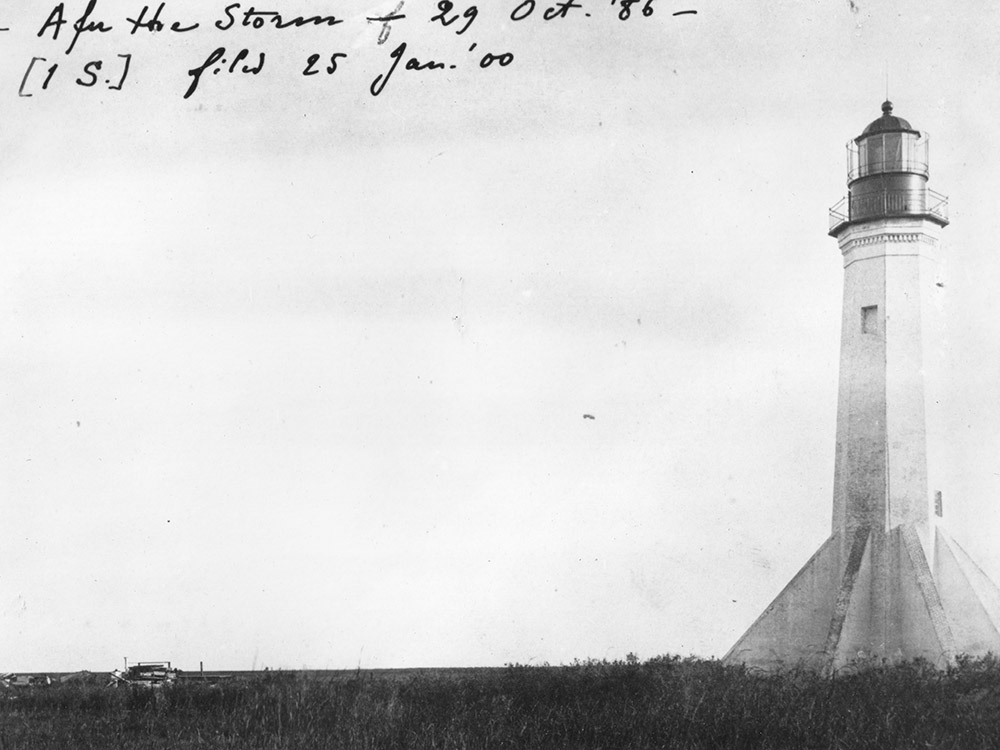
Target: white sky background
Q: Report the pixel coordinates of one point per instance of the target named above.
(293, 376)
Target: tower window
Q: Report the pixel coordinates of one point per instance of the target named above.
(869, 319)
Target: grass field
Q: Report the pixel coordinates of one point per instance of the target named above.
(666, 702)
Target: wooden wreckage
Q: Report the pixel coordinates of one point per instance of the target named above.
(143, 674)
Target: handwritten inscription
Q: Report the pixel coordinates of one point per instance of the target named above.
(220, 61)
(218, 56)
(257, 19)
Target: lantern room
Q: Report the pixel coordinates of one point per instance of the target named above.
(887, 171)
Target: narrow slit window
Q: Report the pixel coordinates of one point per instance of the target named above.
(869, 319)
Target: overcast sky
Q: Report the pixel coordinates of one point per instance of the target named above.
(296, 376)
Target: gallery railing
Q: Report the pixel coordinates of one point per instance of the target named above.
(889, 203)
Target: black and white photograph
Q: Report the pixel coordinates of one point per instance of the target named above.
(514, 374)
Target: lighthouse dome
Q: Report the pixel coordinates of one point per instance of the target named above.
(887, 123)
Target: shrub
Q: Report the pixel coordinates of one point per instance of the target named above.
(665, 702)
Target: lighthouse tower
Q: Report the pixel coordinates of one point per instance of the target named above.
(889, 583)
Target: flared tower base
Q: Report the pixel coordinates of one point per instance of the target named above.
(911, 592)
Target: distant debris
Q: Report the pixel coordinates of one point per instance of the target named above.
(589, 416)
(12, 680)
(160, 673)
(145, 674)
(142, 674)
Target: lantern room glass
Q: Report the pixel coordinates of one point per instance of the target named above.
(883, 153)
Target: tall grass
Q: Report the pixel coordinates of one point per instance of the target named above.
(663, 703)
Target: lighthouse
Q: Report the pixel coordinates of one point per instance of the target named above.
(889, 583)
